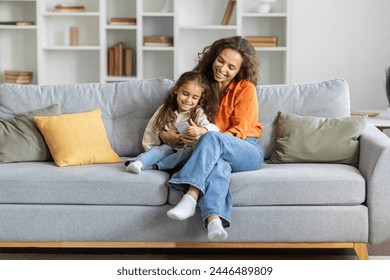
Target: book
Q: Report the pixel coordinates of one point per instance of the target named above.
(69, 8)
(228, 12)
(18, 23)
(150, 44)
(268, 39)
(116, 60)
(368, 114)
(158, 41)
(18, 77)
(262, 41)
(18, 73)
(263, 44)
(128, 62)
(111, 59)
(24, 23)
(123, 21)
(120, 60)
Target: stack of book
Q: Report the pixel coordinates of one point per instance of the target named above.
(120, 60)
(69, 8)
(263, 41)
(123, 21)
(18, 77)
(158, 41)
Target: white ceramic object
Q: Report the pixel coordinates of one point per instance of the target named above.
(264, 8)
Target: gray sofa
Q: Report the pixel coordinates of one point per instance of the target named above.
(304, 205)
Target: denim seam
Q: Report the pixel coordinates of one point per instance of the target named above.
(176, 182)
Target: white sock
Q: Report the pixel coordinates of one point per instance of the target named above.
(135, 167)
(184, 209)
(216, 231)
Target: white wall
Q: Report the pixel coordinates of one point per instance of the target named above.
(347, 39)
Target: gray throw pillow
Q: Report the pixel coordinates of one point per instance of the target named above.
(314, 139)
(20, 139)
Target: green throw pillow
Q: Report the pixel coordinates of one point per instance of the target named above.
(314, 139)
(20, 139)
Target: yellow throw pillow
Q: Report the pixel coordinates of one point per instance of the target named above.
(77, 139)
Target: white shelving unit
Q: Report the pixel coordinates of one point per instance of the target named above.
(113, 34)
(18, 44)
(44, 47)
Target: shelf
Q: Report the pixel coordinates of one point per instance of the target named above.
(19, 27)
(121, 27)
(120, 78)
(271, 49)
(157, 14)
(208, 27)
(71, 48)
(193, 24)
(80, 14)
(265, 15)
(148, 48)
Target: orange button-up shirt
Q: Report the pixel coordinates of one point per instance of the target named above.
(238, 110)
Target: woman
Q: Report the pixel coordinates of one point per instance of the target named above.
(231, 66)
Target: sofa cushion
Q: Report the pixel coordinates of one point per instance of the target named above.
(327, 99)
(76, 139)
(126, 106)
(20, 139)
(296, 184)
(97, 184)
(314, 139)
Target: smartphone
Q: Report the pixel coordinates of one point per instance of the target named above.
(181, 127)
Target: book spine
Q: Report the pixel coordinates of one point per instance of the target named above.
(111, 59)
(120, 59)
(128, 62)
(228, 12)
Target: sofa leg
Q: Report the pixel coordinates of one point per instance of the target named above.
(361, 250)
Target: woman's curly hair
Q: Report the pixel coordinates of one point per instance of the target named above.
(250, 66)
(249, 69)
(167, 114)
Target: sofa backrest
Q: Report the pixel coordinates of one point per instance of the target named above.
(325, 99)
(126, 106)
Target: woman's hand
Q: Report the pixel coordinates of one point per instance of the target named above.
(172, 138)
(192, 133)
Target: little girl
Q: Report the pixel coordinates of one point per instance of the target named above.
(186, 101)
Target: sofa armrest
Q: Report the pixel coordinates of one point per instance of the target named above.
(374, 164)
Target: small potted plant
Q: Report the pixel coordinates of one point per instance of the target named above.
(264, 6)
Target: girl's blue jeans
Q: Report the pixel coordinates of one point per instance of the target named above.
(164, 157)
(209, 168)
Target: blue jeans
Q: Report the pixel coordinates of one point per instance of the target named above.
(214, 158)
(164, 157)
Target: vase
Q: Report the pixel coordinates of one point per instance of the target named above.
(264, 8)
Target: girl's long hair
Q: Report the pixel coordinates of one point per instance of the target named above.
(167, 113)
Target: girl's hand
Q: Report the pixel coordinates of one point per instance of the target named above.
(192, 133)
(172, 138)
